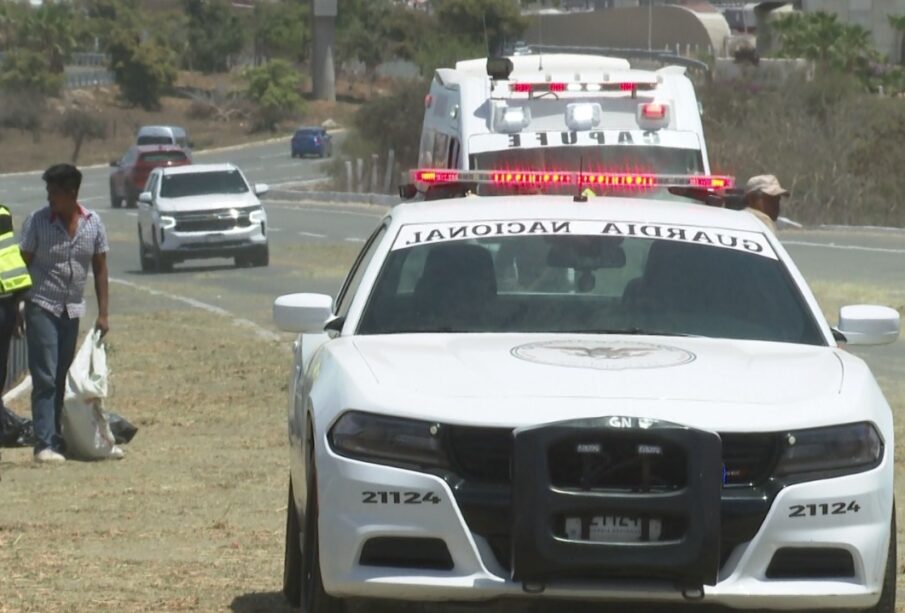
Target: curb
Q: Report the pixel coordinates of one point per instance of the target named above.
(384, 200)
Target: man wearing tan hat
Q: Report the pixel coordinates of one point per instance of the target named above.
(762, 196)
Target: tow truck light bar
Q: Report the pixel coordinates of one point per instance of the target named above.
(522, 87)
(541, 178)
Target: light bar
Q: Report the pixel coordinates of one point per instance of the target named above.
(522, 87)
(554, 178)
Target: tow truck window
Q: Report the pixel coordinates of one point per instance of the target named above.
(587, 284)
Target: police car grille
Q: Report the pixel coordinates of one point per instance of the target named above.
(748, 459)
(481, 454)
(615, 464)
(211, 221)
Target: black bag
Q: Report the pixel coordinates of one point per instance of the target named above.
(15, 431)
(122, 430)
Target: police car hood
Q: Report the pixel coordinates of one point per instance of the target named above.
(207, 202)
(606, 367)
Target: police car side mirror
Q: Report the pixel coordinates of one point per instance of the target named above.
(868, 324)
(301, 313)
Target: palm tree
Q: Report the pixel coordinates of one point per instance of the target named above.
(50, 30)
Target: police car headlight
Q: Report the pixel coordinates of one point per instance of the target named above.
(167, 222)
(833, 451)
(257, 215)
(401, 442)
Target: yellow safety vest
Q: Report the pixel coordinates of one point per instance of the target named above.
(14, 275)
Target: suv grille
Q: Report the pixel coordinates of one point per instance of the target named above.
(212, 221)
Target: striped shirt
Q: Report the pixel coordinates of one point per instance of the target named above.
(60, 264)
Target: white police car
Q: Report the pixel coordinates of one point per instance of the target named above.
(610, 400)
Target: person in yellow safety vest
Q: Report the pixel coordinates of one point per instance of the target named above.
(14, 280)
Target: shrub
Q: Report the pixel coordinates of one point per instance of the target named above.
(274, 87)
(80, 126)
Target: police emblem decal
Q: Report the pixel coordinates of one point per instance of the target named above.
(603, 355)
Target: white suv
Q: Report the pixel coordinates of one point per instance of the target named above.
(201, 211)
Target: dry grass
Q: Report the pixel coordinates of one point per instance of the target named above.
(192, 518)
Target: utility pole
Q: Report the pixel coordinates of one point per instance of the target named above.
(323, 26)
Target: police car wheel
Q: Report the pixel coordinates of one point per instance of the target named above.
(887, 602)
(314, 598)
(292, 559)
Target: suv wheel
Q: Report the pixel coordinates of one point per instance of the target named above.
(260, 257)
(162, 262)
(143, 256)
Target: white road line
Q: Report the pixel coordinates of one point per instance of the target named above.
(844, 247)
(312, 235)
(354, 239)
(210, 308)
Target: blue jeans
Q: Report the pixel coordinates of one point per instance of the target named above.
(51, 347)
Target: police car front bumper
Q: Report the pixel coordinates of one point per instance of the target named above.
(373, 504)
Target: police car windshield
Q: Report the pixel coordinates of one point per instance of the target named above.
(569, 277)
(202, 183)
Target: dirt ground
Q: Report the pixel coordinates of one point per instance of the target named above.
(20, 151)
(192, 519)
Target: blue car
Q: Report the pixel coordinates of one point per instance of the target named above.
(312, 141)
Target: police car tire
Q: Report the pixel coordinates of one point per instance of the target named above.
(292, 559)
(314, 598)
(887, 602)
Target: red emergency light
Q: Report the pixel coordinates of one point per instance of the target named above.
(653, 110)
(617, 180)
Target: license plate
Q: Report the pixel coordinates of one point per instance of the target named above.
(612, 529)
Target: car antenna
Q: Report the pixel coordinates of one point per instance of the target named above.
(580, 197)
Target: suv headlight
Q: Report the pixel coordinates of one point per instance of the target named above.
(167, 222)
(396, 441)
(257, 215)
(836, 450)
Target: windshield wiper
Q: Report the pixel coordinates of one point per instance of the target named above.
(629, 331)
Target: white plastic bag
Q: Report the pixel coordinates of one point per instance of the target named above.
(85, 428)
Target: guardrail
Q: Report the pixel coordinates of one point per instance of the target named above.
(94, 78)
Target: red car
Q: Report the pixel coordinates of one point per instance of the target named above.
(131, 172)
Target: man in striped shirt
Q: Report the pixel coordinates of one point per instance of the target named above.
(58, 243)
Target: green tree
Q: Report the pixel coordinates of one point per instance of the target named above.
(80, 126)
(27, 70)
(386, 122)
(281, 30)
(274, 88)
(50, 30)
(897, 23)
(490, 22)
(215, 34)
(821, 38)
(361, 33)
(144, 70)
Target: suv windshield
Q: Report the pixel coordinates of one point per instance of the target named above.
(155, 140)
(715, 283)
(202, 183)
